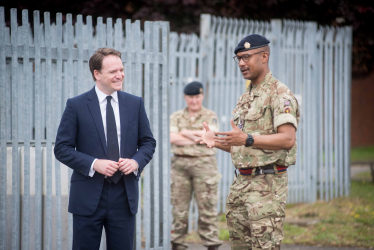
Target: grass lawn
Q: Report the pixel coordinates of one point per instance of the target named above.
(346, 221)
(362, 154)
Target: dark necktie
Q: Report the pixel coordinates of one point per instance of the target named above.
(112, 138)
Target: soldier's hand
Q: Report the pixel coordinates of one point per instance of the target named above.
(106, 167)
(206, 137)
(235, 137)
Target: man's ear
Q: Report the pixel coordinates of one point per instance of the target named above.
(265, 57)
(97, 74)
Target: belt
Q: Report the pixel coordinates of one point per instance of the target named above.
(191, 156)
(186, 156)
(268, 169)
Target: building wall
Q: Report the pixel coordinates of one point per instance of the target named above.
(363, 111)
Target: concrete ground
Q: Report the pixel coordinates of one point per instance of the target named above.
(358, 169)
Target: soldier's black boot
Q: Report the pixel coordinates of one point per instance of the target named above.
(174, 246)
(213, 248)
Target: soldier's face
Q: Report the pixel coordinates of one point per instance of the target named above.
(253, 67)
(194, 102)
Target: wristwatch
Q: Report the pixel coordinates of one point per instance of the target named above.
(249, 141)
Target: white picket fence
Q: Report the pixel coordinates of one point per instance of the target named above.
(314, 62)
(38, 72)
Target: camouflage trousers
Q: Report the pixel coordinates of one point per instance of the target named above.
(255, 211)
(198, 175)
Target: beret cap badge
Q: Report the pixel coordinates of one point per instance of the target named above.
(193, 88)
(250, 42)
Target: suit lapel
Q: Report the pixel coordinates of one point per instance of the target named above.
(94, 107)
(124, 113)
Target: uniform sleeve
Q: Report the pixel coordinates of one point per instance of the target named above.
(285, 109)
(174, 124)
(213, 123)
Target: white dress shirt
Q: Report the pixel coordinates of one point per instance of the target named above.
(103, 102)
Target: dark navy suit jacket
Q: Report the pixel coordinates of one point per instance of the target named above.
(80, 139)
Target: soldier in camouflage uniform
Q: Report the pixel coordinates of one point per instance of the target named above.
(193, 169)
(262, 145)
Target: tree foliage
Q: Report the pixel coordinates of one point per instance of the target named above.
(184, 15)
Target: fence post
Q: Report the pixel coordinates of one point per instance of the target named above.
(14, 133)
(347, 108)
(275, 45)
(205, 52)
(165, 138)
(312, 124)
(3, 134)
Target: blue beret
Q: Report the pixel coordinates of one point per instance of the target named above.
(253, 41)
(193, 88)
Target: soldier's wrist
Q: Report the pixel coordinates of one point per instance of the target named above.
(249, 140)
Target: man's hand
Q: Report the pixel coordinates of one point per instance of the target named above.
(127, 166)
(235, 137)
(206, 137)
(190, 134)
(106, 167)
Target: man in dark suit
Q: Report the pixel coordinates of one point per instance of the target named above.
(105, 137)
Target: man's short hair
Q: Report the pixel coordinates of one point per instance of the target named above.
(96, 59)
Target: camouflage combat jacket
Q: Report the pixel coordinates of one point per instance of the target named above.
(181, 119)
(260, 112)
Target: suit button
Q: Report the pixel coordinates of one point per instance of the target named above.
(101, 182)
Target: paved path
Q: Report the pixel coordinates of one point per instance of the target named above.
(358, 169)
(226, 246)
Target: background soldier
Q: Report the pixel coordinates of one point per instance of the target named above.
(262, 145)
(193, 168)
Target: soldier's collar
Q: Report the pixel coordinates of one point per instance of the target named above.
(267, 77)
(186, 114)
(264, 82)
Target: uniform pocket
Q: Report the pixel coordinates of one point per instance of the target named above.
(214, 180)
(263, 233)
(254, 115)
(236, 118)
(267, 232)
(260, 120)
(259, 198)
(251, 121)
(212, 189)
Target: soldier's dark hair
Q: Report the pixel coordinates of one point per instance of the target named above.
(96, 59)
(267, 49)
